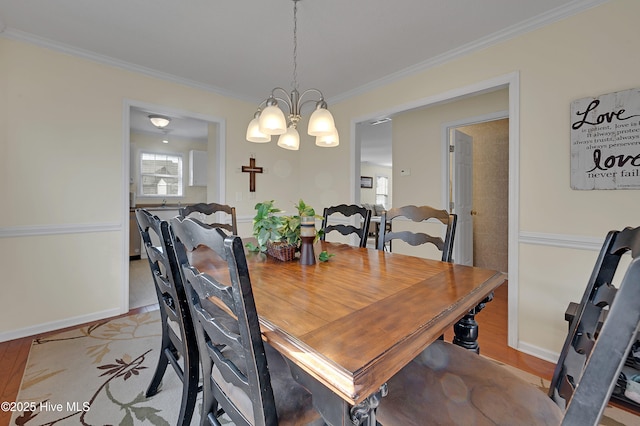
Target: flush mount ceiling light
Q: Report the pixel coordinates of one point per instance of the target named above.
(271, 121)
(160, 121)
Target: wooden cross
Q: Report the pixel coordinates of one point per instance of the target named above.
(252, 170)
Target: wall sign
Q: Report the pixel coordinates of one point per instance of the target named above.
(605, 141)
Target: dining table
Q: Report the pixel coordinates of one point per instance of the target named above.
(348, 324)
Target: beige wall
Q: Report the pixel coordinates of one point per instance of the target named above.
(589, 54)
(64, 181)
(58, 107)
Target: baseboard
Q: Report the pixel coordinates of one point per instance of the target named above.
(57, 325)
(538, 352)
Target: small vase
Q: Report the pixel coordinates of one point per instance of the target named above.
(307, 255)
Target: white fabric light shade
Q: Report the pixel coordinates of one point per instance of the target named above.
(272, 121)
(321, 123)
(254, 134)
(328, 141)
(290, 139)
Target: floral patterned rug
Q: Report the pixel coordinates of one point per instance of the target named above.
(98, 375)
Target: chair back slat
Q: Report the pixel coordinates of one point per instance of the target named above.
(605, 362)
(585, 353)
(230, 337)
(419, 214)
(361, 230)
(209, 209)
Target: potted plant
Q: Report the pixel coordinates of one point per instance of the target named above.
(278, 235)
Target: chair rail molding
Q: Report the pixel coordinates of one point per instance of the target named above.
(58, 229)
(560, 240)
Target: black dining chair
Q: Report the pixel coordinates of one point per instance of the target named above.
(450, 385)
(418, 214)
(244, 377)
(178, 335)
(363, 216)
(207, 210)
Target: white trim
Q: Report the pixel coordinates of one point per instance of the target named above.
(117, 63)
(540, 21)
(539, 352)
(559, 240)
(479, 44)
(69, 228)
(57, 325)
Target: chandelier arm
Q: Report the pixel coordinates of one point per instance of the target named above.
(287, 99)
(301, 103)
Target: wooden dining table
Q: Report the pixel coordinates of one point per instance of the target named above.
(347, 325)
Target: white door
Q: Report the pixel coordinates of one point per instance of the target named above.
(463, 197)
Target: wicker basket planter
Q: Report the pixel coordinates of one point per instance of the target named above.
(282, 251)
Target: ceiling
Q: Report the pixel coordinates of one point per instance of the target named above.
(243, 49)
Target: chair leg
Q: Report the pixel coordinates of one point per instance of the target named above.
(163, 361)
(189, 389)
(466, 330)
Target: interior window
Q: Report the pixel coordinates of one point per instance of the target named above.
(382, 191)
(160, 174)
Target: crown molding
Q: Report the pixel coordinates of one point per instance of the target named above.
(508, 33)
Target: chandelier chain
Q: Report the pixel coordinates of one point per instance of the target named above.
(294, 83)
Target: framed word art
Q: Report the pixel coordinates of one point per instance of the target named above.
(605, 141)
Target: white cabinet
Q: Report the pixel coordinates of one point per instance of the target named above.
(197, 168)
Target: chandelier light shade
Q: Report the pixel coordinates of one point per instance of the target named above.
(328, 141)
(272, 120)
(160, 121)
(253, 132)
(290, 139)
(321, 123)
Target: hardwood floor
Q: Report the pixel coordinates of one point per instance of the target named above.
(492, 339)
(13, 360)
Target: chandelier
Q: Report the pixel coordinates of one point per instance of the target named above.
(272, 121)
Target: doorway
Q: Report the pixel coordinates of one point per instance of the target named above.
(480, 193)
(190, 133)
(511, 82)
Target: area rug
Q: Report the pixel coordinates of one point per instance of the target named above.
(98, 375)
(612, 416)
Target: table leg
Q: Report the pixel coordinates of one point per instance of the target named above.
(466, 330)
(334, 410)
(365, 412)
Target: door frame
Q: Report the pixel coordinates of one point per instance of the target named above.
(446, 141)
(220, 152)
(510, 81)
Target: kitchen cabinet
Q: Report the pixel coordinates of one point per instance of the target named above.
(197, 168)
(135, 241)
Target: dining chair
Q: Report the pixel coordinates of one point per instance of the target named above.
(466, 329)
(449, 385)
(418, 214)
(244, 377)
(178, 335)
(210, 209)
(362, 214)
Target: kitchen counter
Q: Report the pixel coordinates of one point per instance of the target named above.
(158, 207)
